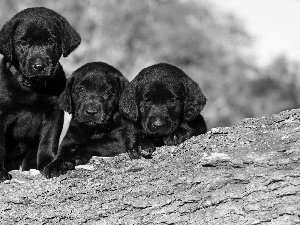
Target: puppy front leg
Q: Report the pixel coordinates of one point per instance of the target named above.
(4, 175)
(132, 141)
(174, 138)
(178, 136)
(186, 130)
(49, 139)
(64, 160)
(146, 147)
(137, 145)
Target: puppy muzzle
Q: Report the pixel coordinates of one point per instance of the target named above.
(93, 114)
(159, 125)
(40, 66)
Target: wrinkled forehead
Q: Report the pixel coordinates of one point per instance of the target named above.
(36, 30)
(95, 80)
(161, 90)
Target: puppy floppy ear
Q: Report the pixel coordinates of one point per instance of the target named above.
(128, 102)
(194, 99)
(7, 39)
(122, 83)
(65, 99)
(70, 38)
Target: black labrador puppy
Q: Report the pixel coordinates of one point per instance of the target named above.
(92, 98)
(31, 79)
(162, 105)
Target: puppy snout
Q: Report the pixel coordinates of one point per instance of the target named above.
(158, 122)
(38, 65)
(91, 111)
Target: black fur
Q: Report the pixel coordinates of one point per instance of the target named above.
(92, 97)
(31, 80)
(163, 107)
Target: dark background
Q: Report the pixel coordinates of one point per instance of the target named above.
(209, 45)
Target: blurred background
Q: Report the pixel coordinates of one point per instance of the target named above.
(213, 41)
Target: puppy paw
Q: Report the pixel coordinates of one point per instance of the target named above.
(174, 139)
(146, 149)
(58, 167)
(82, 160)
(4, 175)
(170, 140)
(134, 153)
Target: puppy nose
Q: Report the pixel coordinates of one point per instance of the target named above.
(91, 111)
(38, 65)
(158, 122)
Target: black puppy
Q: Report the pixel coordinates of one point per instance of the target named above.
(92, 97)
(163, 106)
(31, 78)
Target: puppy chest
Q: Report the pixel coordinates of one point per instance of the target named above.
(27, 126)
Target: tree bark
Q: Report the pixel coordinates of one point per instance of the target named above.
(245, 174)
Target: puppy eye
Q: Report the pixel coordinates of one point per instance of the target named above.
(51, 41)
(22, 43)
(173, 99)
(107, 92)
(147, 101)
(80, 89)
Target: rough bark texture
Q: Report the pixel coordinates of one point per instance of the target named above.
(245, 174)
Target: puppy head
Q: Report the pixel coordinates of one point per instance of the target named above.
(34, 40)
(160, 97)
(160, 107)
(92, 94)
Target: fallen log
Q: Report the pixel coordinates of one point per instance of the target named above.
(245, 174)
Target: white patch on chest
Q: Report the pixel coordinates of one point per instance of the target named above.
(67, 120)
